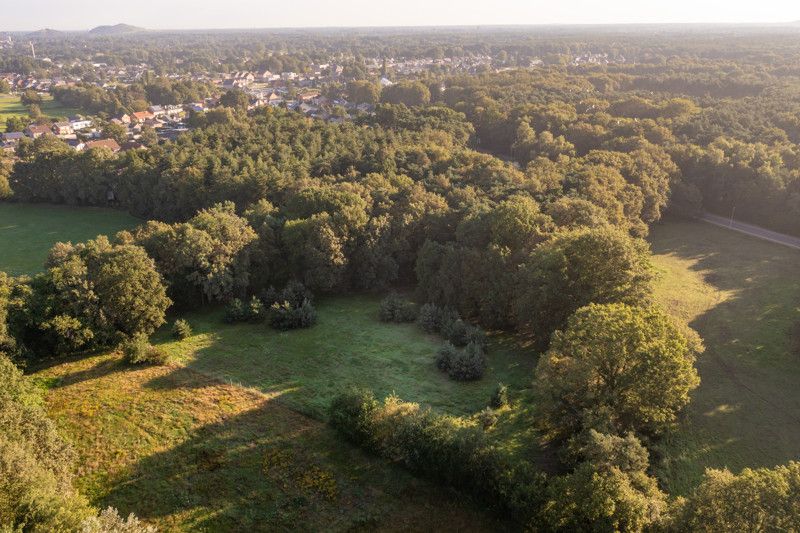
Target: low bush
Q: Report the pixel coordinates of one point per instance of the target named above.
(295, 293)
(255, 311)
(284, 316)
(445, 355)
(430, 318)
(138, 350)
(443, 448)
(396, 309)
(500, 397)
(487, 417)
(235, 311)
(469, 364)
(181, 329)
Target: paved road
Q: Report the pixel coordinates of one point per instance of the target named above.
(754, 231)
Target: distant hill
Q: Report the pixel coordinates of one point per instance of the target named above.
(45, 33)
(118, 29)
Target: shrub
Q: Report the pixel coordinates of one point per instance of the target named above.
(138, 350)
(295, 293)
(447, 320)
(469, 364)
(430, 318)
(445, 355)
(396, 309)
(235, 311)
(461, 333)
(439, 447)
(500, 397)
(255, 310)
(353, 414)
(284, 317)
(487, 417)
(181, 329)
(109, 521)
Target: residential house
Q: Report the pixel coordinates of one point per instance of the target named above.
(34, 131)
(141, 116)
(111, 144)
(80, 123)
(63, 128)
(12, 136)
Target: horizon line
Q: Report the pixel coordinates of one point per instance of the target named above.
(420, 26)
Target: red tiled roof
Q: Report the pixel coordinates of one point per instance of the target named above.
(104, 143)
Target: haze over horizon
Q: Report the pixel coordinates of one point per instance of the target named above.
(204, 14)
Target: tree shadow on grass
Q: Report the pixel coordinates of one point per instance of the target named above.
(746, 411)
(271, 469)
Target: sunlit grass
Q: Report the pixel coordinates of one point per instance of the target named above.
(742, 295)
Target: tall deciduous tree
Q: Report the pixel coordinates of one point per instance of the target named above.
(615, 368)
(601, 265)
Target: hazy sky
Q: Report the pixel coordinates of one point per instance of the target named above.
(182, 14)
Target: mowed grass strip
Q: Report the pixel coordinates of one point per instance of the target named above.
(186, 452)
(28, 231)
(743, 296)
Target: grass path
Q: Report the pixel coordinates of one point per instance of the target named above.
(743, 296)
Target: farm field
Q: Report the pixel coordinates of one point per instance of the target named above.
(27, 232)
(10, 105)
(743, 296)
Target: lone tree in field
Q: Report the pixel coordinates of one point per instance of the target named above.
(617, 369)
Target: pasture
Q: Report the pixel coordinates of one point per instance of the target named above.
(28, 231)
(10, 105)
(743, 296)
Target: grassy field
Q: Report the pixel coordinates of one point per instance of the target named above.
(349, 346)
(10, 105)
(27, 232)
(743, 296)
(231, 434)
(193, 453)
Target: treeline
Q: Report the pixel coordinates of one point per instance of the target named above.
(132, 98)
(345, 206)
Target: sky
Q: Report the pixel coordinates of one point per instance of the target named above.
(196, 14)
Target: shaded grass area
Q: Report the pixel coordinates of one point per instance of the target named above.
(348, 346)
(197, 454)
(743, 296)
(10, 105)
(28, 231)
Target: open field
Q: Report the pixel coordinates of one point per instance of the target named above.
(231, 434)
(186, 452)
(10, 105)
(27, 232)
(743, 296)
(349, 346)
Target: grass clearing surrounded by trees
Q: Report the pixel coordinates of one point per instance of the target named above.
(348, 346)
(11, 105)
(28, 231)
(742, 295)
